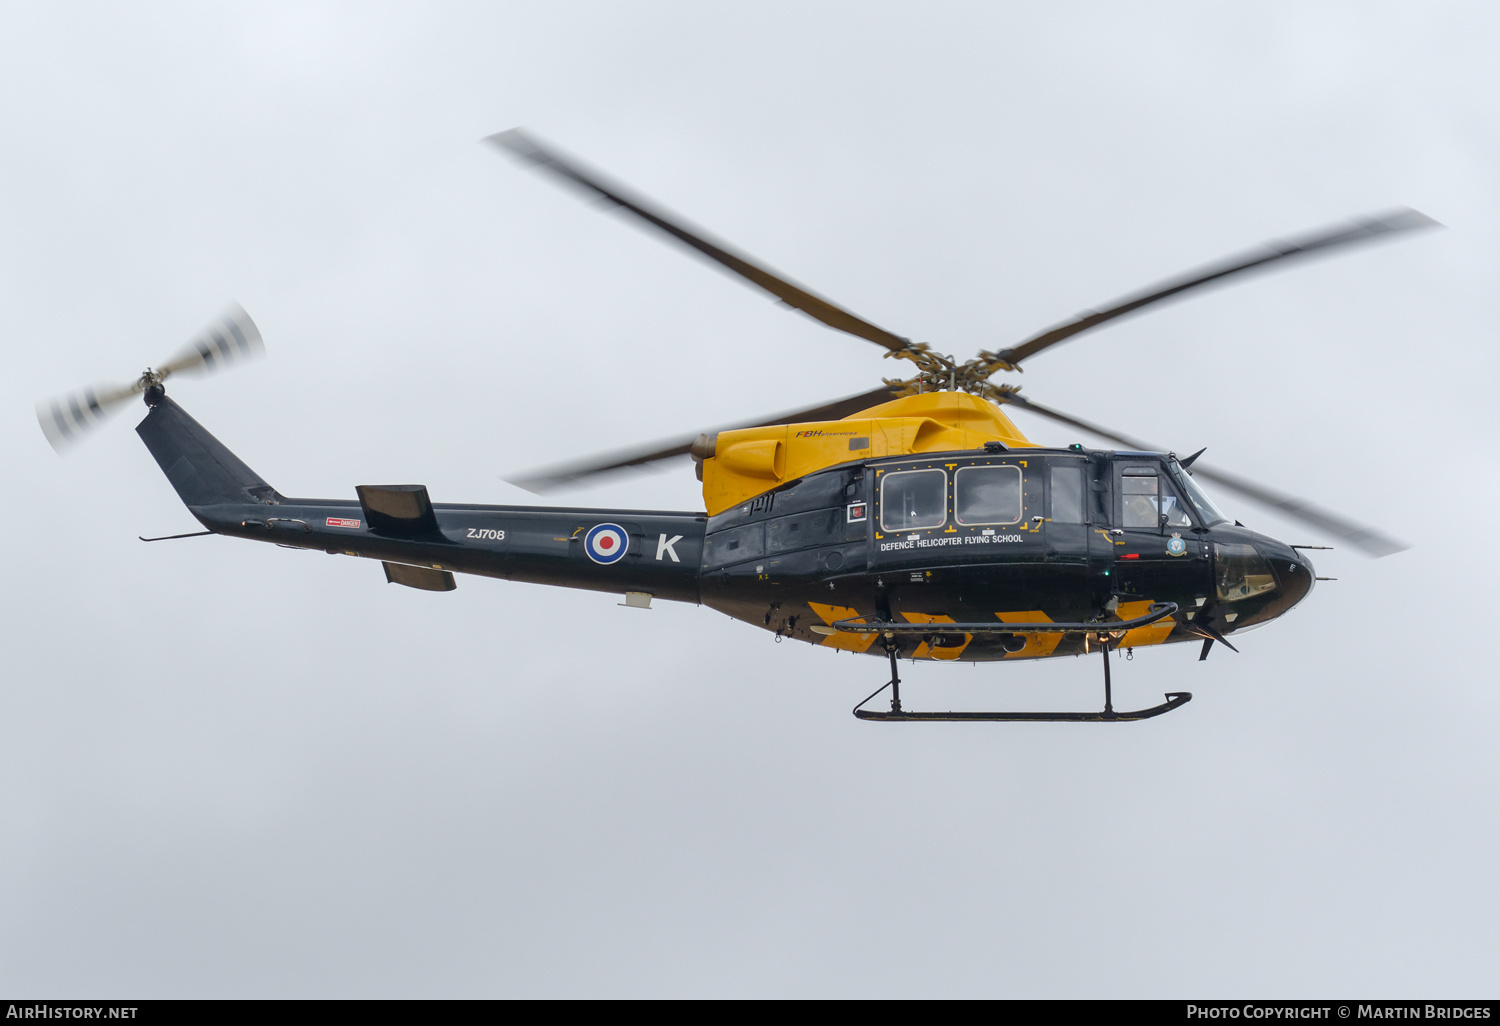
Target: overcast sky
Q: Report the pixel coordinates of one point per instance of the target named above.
(233, 769)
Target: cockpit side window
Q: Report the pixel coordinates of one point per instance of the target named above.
(1146, 498)
(1172, 506)
(1138, 497)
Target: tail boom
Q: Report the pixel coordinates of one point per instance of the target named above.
(655, 552)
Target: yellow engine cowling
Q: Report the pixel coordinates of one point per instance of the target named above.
(763, 458)
(750, 461)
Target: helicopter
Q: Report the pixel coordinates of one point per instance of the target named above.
(913, 520)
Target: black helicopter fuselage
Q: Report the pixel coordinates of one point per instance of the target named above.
(987, 536)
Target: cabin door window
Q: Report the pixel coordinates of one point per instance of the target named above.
(913, 500)
(987, 495)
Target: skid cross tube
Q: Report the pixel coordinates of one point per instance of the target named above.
(1108, 636)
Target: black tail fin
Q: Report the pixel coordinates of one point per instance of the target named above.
(196, 463)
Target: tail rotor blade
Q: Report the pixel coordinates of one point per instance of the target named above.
(230, 340)
(67, 418)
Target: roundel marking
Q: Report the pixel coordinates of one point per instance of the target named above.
(606, 543)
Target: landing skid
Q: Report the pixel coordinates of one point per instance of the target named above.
(1106, 636)
(1174, 699)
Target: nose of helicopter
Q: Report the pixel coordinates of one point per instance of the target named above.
(1273, 577)
(1294, 575)
(1296, 578)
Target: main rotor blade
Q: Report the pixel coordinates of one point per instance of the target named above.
(1343, 234)
(795, 296)
(1366, 539)
(562, 475)
(1015, 399)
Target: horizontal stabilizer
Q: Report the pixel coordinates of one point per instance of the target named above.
(423, 578)
(402, 511)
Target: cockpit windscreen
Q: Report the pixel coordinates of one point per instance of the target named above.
(1201, 503)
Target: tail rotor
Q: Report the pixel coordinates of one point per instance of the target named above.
(231, 339)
